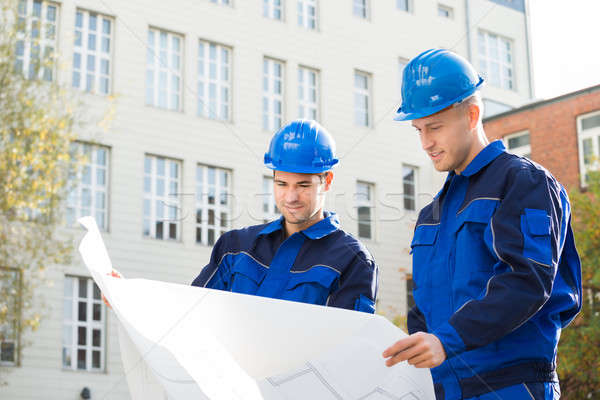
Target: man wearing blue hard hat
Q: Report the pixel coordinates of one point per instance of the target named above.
(304, 256)
(496, 272)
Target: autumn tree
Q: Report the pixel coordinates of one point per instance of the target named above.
(579, 346)
(38, 120)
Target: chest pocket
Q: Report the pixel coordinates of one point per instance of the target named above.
(473, 260)
(312, 286)
(246, 276)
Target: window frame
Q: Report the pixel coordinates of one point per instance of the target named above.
(157, 67)
(357, 91)
(443, 8)
(303, 17)
(204, 108)
(269, 9)
(268, 200)
(93, 187)
(415, 184)
(523, 151)
(89, 324)
(487, 58)
(592, 134)
(364, 6)
(98, 54)
(16, 321)
(270, 96)
(370, 204)
(44, 43)
(202, 203)
(167, 202)
(304, 87)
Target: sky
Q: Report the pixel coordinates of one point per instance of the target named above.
(565, 44)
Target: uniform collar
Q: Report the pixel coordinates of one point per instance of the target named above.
(327, 225)
(485, 156)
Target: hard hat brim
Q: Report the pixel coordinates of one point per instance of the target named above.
(300, 169)
(408, 116)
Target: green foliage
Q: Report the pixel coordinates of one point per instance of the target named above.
(579, 354)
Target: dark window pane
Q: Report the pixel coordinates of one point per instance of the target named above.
(159, 230)
(223, 219)
(211, 217)
(521, 140)
(410, 300)
(82, 312)
(199, 216)
(172, 230)
(211, 237)
(409, 203)
(198, 235)
(83, 288)
(95, 359)
(81, 335)
(590, 122)
(80, 359)
(364, 230)
(7, 351)
(96, 336)
(97, 312)
(364, 214)
(96, 292)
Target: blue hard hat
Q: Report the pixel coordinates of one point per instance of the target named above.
(434, 80)
(301, 146)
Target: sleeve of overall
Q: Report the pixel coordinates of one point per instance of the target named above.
(215, 275)
(524, 234)
(357, 288)
(415, 321)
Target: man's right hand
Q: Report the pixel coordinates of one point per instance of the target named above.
(116, 274)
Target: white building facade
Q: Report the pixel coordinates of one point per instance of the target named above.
(200, 88)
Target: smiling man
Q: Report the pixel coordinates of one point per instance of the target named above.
(304, 256)
(495, 268)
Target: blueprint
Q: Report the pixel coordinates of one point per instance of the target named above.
(180, 342)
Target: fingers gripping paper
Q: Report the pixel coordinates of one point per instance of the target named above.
(180, 342)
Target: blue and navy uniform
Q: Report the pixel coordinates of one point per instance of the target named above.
(321, 264)
(497, 276)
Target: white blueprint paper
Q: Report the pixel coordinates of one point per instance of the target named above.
(180, 342)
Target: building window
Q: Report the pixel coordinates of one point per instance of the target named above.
(445, 11)
(360, 8)
(409, 183)
(410, 299)
(36, 39)
(84, 329)
(362, 112)
(519, 144)
(214, 80)
(273, 9)
(213, 205)
(404, 5)
(10, 295)
(364, 206)
(91, 55)
(272, 94)
(401, 65)
(270, 210)
(161, 197)
(89, 191)
(308, 93)
(588, 127)
(164, 70)
(495, 60)
(307, 14)
(223, 2)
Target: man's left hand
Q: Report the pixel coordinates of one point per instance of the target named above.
(423, 350)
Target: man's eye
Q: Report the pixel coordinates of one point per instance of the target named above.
(435, 128)
(305, 185)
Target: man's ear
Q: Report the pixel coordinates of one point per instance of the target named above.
(473, 112)
(328, 179)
